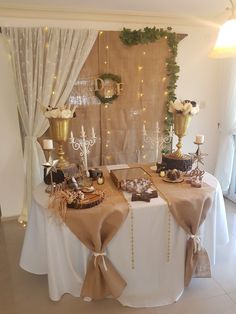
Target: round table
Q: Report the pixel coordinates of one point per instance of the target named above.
(148, 250)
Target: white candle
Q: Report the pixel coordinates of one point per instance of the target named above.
(199, 139)
(71, 135)
(93, 133)
(47, 144)
(144, 130)
(82, 131)
(85, 156)
(157, 140)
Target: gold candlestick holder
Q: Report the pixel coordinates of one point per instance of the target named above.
(196, 174)
(50, 166)
(198, 156)
(198, 151)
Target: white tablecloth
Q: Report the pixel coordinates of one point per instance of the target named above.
(51, 248)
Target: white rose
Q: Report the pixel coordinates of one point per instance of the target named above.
(178, 105)
(66, 113)
(55, 113)
(195, 110)
(187, 108)
(47, 114)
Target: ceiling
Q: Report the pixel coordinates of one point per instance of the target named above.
(210, 9)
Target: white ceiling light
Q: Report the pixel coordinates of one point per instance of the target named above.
(225, 46)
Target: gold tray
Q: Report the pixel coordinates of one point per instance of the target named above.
(117, 175)
(173, 181)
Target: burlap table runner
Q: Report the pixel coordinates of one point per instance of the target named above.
(189, 206)
(95, 227)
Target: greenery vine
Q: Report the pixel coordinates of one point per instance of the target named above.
(108, 76)
(149, 35)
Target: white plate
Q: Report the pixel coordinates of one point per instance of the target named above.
(154, 168)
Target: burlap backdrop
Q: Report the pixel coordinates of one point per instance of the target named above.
(119, 125)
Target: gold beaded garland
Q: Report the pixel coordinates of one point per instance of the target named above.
(168, 236)
(132, 238)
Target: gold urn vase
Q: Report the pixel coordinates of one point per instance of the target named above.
(60, 128)
(181, 124)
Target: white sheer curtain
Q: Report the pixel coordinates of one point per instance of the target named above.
(46, 63)
(226, 153)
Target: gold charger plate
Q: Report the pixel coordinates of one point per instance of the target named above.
(175, 181)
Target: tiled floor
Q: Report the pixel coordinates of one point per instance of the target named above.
(24, 293)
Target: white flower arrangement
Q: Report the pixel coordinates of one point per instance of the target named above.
(66, 111)
(185, 107)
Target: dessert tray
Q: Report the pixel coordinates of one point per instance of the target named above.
(118, 176)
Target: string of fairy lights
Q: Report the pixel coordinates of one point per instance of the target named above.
(143, 108)
(26, 57)
(50, 66)
(105, 142)
(153, 133)
(140, 97)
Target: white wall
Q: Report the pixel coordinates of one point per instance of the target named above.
(11, 160)
(199, 80)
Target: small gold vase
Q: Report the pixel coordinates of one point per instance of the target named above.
(60, 128)
(181, 124)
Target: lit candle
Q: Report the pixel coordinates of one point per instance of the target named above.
(162, 173)
(47, 144)
(93, 133)
(199, 139)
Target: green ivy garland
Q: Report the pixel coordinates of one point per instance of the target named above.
(149, 35)
(112, 77)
